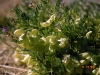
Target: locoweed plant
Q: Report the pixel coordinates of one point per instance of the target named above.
(57, 39)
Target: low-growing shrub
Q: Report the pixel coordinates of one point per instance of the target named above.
(57, 39)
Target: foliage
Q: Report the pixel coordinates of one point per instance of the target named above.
(58, 39)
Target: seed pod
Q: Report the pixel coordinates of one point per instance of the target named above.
(18, 32)
(21, 41)
(88, 58)
(79, 70)
(34, 32)
(31, 62)
(44, 40)
(63, 42)
(83, 61)
(52, 40)
(17, 61)
(30, 72)
(94, 71)
(49, 21)
(26, 59)
(75, 62)
(88, 34)
(26, 42)
(69, 68)
(84, 55)
(99, 70)
(16, 54)
(93, 61)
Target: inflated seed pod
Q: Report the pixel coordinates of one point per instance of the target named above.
(18, 32)
(32, 73)
(49, 21)
(24, 41)
(34, 32)
(93, 61)
(74, 61)
(17, 61)
(52, 40)
(36, 67)
(43, 39)
(26, 58)
(79, 70)
(94, 72)
(69, 68)
(31, 62)
(88, 34)
(88, 58)
(21, 41)
(85, 54)
(83, 61)
(16, 54)
(27, 42)
(99, 70)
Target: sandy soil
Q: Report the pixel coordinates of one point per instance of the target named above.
(7, 64)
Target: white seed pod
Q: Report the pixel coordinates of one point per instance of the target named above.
(75, 62)
(17, 61)
(49, 21)
(69, 68)
(79, 70)
(26, 58)
(34, 32)
(16, 54)
(83, 62)
(94, 72)
(88, 34)
(99, 70)
(84, 55)
(77, 21)
(18, 32)
(52, 40)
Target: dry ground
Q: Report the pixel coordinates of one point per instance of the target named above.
(7, 65)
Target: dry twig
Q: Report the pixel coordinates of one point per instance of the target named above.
(9, 67)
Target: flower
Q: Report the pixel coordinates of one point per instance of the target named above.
(4, 29)
(31, 5)
(63, 3)
(30, 2)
